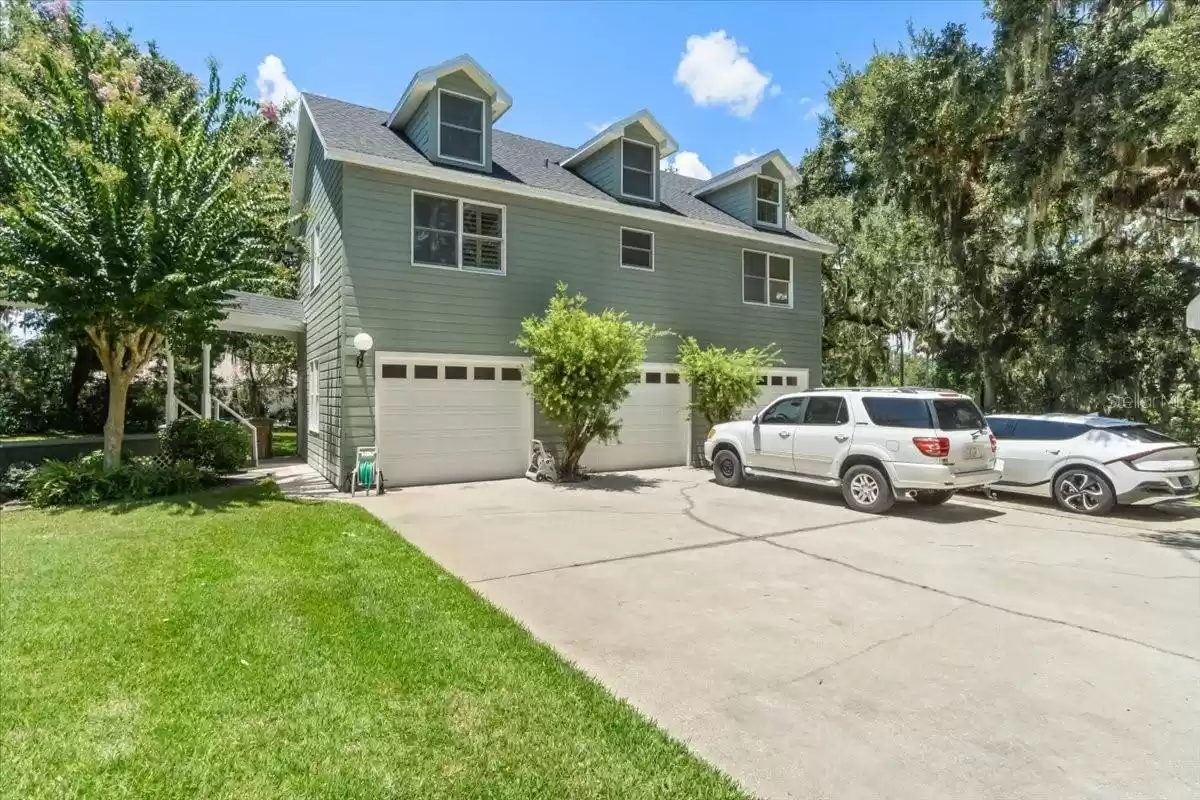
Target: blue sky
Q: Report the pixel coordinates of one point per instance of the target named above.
(569, 67)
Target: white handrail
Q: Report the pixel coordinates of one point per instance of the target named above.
(247, 423)
(186, 408)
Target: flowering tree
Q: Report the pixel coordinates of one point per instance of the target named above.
(129, 210)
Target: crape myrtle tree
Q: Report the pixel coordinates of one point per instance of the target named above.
(125, 215)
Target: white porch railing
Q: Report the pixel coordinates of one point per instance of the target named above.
(218, 405)
(180, 404)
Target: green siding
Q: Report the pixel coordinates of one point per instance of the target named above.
(736, 200)
(696, 288)
(603, 168)
(323, 314)
(422, 129)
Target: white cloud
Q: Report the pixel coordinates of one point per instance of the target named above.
(804, 101)
(594, 128)
(775, 90)
(685, 162)
(742, 158)
(274, 86)
(716, 71)
(816, 111)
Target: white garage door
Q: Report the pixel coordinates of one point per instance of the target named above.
(654, 425)
(776, 383)
(443, 419)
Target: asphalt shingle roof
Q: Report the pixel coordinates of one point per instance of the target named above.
(260, 304)
(517, 159)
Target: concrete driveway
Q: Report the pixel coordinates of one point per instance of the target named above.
(976, 650)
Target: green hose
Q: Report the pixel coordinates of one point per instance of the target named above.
(366, 471)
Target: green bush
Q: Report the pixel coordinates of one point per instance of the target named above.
(84, 481)
(14, 479)
(208, 443)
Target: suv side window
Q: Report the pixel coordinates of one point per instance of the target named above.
(1001, 428)
(785, 412)
(1043, 430)
(898, 412)
(826, 411)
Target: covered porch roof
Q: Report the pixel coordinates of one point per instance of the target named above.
(247, 312)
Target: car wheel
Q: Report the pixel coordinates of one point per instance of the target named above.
(1082, 490)
(865, 488)
(933, 497)
(727, 469)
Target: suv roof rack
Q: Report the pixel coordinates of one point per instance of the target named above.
(896, 389)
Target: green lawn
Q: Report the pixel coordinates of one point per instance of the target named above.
(237, 644)
(283, 442)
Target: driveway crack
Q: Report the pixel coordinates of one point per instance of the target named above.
(977, 601)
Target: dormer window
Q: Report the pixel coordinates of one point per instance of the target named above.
(769, 201)
(460, 123)
(637, 169)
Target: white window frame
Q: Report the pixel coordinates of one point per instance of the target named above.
(621, 250)
(314, 396)
(483, 134)
(767, 278)
(314, 256)
(778, 223)
(412, 228)
(653, 198)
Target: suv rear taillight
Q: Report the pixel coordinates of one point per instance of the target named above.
(934, 446)
(992, 439)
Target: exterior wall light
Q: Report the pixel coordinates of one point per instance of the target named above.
(362, 343)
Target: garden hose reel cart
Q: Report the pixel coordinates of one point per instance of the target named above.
(366, 473)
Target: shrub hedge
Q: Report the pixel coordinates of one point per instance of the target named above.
(208, 443)
(84, 481)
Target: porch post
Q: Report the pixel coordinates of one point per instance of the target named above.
(205, 381)
(172, 409)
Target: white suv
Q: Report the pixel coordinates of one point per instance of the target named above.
(876, 444)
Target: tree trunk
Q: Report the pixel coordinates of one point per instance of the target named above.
(85, 363)
(114, 426)
(989, 382)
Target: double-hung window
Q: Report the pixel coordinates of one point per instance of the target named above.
(637, 249)
(460, 127)
(314, 254)
(766, 279)
(453, 233)
(768, 201)
(638, 169)
(314, 397)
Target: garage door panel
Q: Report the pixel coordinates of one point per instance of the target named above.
(654, 431)
(447, 429)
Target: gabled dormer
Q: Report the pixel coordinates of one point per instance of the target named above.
(623, 158)
(754, 192)
(448, 111)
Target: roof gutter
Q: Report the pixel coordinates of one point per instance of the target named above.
(488, 183)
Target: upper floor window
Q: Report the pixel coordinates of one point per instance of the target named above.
(637, 249)
(314, 254)
(637, 169)
(768, 205)
(453, 233)
(460, 123)
(766, 279)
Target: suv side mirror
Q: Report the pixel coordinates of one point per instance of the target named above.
(754, 419)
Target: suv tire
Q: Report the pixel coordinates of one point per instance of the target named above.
(1082, 490)
(933, 497)
(727, 469)
(866, 489)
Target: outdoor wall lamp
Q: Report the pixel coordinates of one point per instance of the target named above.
(362, 343)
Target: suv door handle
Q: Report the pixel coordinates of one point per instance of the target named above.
(840, 437)
(784, 434)
(1053, 452)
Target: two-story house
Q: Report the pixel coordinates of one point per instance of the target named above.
(435, 232)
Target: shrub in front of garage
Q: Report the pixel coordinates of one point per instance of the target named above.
(581, 366)
(723, 381)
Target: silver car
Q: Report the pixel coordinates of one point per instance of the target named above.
(1089, 464)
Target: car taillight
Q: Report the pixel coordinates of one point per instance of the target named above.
(935, 446)
(992, 439)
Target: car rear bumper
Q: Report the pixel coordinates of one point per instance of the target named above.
(1150, 488)
(941, 477)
